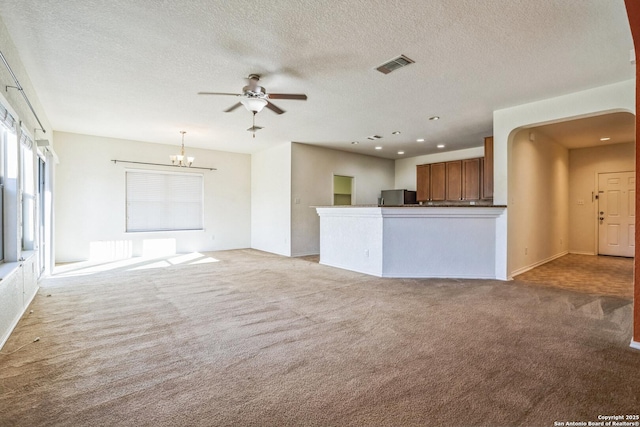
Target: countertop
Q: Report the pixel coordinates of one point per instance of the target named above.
(425, 205)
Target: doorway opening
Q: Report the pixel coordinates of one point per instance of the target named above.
(342, 190)
(553, 208)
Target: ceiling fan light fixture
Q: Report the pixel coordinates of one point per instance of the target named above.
(254, 104)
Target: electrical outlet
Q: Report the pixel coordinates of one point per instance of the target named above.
(366, 253)
(526, 251)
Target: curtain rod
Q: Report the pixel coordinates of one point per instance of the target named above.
(19, 87)
(160, 164)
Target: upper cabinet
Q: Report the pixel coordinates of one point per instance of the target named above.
(469, 179)
(438, 182)
(424, 182)
(487, 179)
(471, 173)
(454, 180)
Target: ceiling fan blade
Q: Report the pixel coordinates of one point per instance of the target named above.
(299, 96)
(273, 108)
(218, 93)
(233, 107)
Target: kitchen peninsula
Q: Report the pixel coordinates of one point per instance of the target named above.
(417, 241)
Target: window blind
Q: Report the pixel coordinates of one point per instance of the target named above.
(25, 140)
(7, 119)
(162, 201)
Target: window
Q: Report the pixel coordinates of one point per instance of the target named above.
(3, 138)
(164, 201)
(7, 131)
(27, 186)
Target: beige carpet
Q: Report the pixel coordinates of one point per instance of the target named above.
(260, 340)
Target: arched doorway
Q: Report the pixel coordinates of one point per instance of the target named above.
(617, 97)
(554, 203)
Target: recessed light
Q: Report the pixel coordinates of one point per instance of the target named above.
(396, 132)
(354, 143)
(400, 152)
(420, 140)
(440, 145)
(434, 118)
(606, 138)
(378, 148)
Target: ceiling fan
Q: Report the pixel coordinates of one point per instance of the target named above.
(256, 97)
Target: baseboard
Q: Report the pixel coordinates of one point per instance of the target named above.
(537, 264)
(582, 253)
(299, 254)
(635, 344)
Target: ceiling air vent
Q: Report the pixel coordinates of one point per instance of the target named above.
(374, 137)
(394, 64)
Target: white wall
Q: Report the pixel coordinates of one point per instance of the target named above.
(584, 165)
(312, 185)
(538, 210)
(90, 198)
(405, 174)
(271, 200)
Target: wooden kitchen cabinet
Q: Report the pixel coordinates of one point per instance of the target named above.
(487, 179)
(454, 180)
(438, 182)
(468, 179)
(423, 186)
(471, 173)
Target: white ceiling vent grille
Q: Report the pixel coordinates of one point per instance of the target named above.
(394, 64)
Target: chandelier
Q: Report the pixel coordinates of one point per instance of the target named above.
(181, 159)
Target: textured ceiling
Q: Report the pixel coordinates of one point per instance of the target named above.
(132, 68)
(582, 133)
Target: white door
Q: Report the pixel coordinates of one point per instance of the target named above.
(616, 213)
